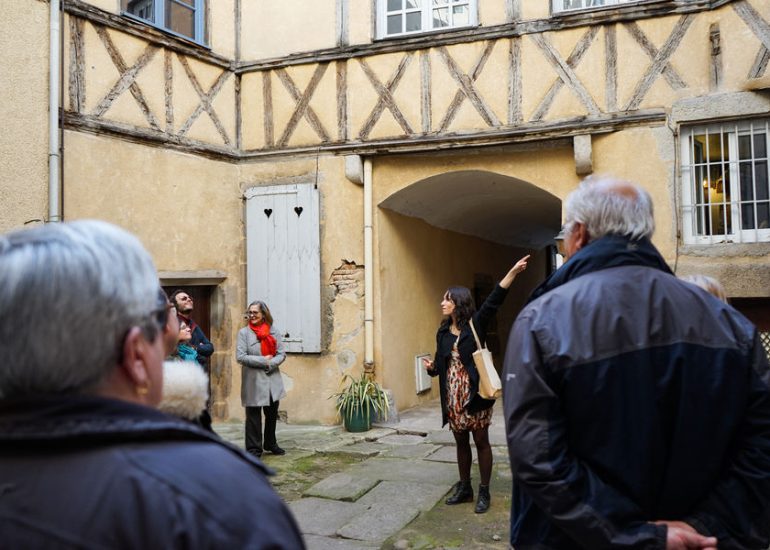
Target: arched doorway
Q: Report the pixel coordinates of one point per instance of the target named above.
(465, 228)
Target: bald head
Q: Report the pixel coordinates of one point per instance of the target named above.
(610, 206)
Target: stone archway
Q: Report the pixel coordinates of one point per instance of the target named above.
(463, 227)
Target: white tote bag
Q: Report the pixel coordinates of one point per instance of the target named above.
(490, 386)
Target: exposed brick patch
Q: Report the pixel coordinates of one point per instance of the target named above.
(347, 277)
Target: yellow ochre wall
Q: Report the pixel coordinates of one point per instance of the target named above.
(24, 112)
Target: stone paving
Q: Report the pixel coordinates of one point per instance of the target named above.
(410, 468)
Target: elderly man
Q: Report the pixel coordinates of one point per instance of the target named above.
(86, 461)
(637, 406)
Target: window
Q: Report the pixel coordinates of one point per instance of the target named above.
(725, 193)
(183, 17)
(571, 5)
(283, 260)
(399, 17)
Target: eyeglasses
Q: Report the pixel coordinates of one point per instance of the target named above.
(252, 313)
(160, 313)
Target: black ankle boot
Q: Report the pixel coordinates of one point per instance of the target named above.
(462, 492)
(482, 505)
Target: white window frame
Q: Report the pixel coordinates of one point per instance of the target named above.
(557, 6)
(159, 17)
(729, 133)
(425, 9)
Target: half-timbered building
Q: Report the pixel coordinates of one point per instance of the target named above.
(348, 160)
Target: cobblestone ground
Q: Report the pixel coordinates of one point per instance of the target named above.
(384, 488)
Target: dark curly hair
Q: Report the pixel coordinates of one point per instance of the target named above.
(464, 305)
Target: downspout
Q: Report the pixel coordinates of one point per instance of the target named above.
(54, 87)
(368, 270)
(360, 172)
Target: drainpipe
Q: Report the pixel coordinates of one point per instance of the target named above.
(368, 270)
(54, 86)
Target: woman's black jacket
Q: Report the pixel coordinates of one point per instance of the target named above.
(466, 346)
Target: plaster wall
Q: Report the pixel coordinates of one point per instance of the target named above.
(24, 112)
(274, 29)
(314, 377)
(166, 198)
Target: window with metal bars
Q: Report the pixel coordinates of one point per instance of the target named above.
(401, 17)
(571, 5)
(725, 187)
(185, 18)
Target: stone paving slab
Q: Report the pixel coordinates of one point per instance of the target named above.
(390, 507)
(396, 469)
(342, 486)
(397, 494)
(366, 448)
(447, 453)
(314, 542)
(401, 439)
(440, 437)
(320, 516)
(410, 451)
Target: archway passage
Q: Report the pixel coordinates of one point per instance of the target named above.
(458, 228)
(493, 207)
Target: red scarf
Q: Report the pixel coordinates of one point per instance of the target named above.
(267, 340)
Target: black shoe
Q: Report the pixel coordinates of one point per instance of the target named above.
(276, 450)
(482, 505)
(462, 492)
(257, 454)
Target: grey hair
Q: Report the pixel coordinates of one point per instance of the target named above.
(610, 206)
(69, 293)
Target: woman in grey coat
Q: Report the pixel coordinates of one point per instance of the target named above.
(260, 352)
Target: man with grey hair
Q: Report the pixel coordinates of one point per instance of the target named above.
(637, 406)
(86, 460)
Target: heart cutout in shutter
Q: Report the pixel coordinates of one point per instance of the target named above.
(298, 210)
(268, 211)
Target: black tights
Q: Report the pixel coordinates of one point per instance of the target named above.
(465, 456)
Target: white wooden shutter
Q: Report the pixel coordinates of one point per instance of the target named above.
(284, 260)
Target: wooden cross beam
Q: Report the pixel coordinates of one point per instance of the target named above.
(386, 99)
(660, 60)
(303, 108)
(566, 72)
(467, 89)
(127, 78)
(205, 100)
(761, 30)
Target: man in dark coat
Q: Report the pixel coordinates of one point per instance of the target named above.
(184, 308)
(637, 406)
(86, 459)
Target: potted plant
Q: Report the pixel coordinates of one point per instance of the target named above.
(360, 401)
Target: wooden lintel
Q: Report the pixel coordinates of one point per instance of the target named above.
(521, 133)
(145, 136)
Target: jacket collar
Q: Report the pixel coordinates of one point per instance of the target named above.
(604, 253)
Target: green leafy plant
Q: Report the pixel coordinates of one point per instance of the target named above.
(362, 395)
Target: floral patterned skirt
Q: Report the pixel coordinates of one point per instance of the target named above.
(458, 394)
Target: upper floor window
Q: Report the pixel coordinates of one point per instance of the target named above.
(183, 17)
(570, 5)
(726, 192)
(399, 17)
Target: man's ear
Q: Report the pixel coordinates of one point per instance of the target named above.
(134, 360)
(581, 235)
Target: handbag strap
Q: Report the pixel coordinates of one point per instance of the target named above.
(475, 335)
